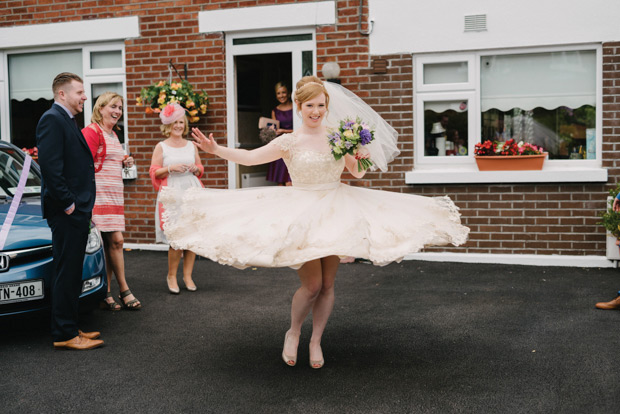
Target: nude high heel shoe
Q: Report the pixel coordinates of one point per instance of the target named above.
(319, 363)
(173, 290)
(288, 359)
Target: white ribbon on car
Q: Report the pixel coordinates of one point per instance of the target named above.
(17, 198)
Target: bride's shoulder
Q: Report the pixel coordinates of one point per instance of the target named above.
(286, 142)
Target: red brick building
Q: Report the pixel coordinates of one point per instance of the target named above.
(235, 50)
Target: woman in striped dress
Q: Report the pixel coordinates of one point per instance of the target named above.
(109, 212)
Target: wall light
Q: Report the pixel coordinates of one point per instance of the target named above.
(331, 70)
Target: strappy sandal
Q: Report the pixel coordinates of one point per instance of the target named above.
(111, 306)
(132, 304)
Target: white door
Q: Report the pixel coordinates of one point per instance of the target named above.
(255, 61)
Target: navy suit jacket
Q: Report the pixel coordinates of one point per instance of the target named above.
(66, 164)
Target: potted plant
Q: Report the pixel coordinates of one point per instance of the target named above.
(508, 156)
(160, 94)
(610, 219)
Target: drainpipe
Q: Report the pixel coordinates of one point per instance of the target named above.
(370, 21)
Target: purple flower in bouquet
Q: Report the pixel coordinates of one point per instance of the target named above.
(349, 138)
(334, 138)
(365, 136)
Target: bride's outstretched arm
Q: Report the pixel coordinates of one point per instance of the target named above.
(262, 155)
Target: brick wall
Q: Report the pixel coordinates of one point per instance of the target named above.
(511, 218)
(506, 218)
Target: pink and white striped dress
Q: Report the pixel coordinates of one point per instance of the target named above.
(109, 210)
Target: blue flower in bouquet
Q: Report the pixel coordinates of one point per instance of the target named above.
(349, 138)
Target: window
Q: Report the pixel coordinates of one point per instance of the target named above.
(30, 75)
(548, 98)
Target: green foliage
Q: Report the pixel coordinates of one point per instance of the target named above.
(610, 219)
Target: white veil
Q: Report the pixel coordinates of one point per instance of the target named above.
(345, 104)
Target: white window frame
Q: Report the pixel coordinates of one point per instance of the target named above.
(4, 101)
(109, 47)
(89, 76)
(471, 83)
(472, 131)
(110, 75)
(462, 169)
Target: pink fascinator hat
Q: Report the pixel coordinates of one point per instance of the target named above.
(171, 113)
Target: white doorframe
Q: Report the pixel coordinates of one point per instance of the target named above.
(295, 48)
(4, 102)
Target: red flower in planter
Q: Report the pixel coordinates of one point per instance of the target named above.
(508, 148)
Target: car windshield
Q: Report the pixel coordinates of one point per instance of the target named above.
(11, 165)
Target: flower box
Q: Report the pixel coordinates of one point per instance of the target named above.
(510, 162)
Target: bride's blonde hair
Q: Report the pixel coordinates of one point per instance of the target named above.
(310, 87)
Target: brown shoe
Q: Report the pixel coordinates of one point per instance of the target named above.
(89, 335)
(614, 304)
(78, 343)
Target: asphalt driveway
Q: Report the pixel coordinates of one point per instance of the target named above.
(414, 337)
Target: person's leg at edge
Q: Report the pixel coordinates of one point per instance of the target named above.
(108, 270)
(113, 241)
(188, 266)
(303, 300)
(322, 308)
(174, 258)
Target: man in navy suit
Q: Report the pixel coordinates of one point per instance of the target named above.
(67, 199)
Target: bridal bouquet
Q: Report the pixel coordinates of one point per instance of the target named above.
(348, 138)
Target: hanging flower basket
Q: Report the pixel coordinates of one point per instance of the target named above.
(509, 156)
(162, 93)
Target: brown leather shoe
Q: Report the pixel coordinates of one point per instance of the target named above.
(614, 304)
(79, 343)
(89, 335)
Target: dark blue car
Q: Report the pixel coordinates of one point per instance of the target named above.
(26, 259)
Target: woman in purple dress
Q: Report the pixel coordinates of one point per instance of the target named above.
(277, 171)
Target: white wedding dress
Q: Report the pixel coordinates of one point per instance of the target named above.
(317, 217)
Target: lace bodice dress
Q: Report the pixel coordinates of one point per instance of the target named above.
(317, 216)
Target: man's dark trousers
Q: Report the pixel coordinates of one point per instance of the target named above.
(69, 237)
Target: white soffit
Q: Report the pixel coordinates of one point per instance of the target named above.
(267, 17)
(83, 31)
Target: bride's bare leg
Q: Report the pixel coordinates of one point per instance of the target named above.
(303, 300)
(174, 258)
(189, 258)
(323, 306)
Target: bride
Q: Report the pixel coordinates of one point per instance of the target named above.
(310, 225)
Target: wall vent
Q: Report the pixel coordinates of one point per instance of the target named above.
(476, 23)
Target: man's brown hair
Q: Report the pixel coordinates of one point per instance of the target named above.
(62, 79)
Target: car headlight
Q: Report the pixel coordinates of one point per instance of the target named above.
(91, 284)
(94, 240)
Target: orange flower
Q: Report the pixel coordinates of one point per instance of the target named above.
(149, 110)
(194, 119)
(189, 103)
(160, 84)
(193, 112)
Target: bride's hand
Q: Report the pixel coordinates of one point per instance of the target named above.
(362, 153)
(201, 141)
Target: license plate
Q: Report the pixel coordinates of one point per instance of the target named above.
(21, 291)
